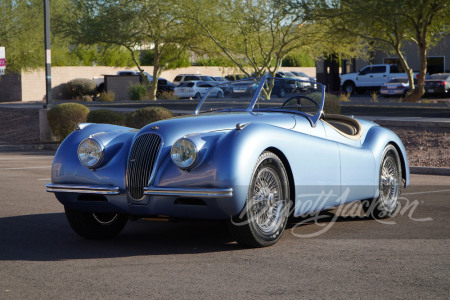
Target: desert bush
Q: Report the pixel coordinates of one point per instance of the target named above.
(344, 97)
(138, 92)
(86, 98)
(166, 96)
(63, 118)
(77, 88)
(374, 96)
(107, 97)
(141, 117)
(106, 116)
(332, 103)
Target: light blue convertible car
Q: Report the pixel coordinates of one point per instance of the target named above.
(254, 160)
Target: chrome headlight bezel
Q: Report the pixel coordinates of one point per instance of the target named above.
(180, 157)
(97, 152)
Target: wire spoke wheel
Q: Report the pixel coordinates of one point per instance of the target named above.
(264, 217)
(267, 205)
(389, 187)
(389, 183)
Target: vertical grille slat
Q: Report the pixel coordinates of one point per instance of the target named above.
(141, 163)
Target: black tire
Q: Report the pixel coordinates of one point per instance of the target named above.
(349, 87)
(198, 96)
(390, 182)
(264, 217)
(219, 94)
(95, 226)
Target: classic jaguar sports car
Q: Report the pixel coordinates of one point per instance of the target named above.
(254, 161)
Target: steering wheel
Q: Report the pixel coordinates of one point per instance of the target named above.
(297, 102)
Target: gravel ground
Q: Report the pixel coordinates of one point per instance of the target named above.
(426, 147)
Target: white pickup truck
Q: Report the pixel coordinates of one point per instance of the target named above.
(372, 76)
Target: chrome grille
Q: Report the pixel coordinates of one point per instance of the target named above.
(141, 162)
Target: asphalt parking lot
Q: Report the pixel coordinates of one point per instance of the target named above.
(342, 256)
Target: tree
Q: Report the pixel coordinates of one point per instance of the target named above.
(134, 25)
(21, 35)
(388, 23)
(254, 35)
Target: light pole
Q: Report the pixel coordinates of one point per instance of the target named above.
(45, 134)
(48, 55)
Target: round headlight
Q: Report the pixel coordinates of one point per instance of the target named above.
(183, 153)
(90, 153)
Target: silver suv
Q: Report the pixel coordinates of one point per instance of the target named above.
(191, 77)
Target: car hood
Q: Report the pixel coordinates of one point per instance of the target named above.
(180, 126)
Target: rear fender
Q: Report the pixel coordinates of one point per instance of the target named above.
(377, 139)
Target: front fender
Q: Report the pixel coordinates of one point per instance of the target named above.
(116, 140)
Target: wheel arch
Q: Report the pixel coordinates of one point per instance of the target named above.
(348, 81)
(402, 160)
(287, 166)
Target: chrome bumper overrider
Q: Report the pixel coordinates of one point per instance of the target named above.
(84, 189)
(153, 191)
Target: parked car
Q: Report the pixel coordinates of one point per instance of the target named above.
(165, 85)
(223, 84)
(131, 73)
(438, 84)
(395, 87)
(252, 162)
(235, 77)
(307, 80)
(245, 87)
(303, 76)
(285, 74)
(191, 77)
(370, 77)
(196, 89)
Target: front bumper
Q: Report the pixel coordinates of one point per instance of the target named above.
(196, 203)
(153, 191)
(82, 189)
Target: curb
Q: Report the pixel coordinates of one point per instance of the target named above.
(418, 123)
(430, 171)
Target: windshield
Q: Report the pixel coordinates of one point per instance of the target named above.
(266, 94)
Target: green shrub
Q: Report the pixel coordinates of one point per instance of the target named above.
(106, 116)
(138, 92)
(107, 97)
(63, 118)
(141, 117)
(77, 88)
(298, 59)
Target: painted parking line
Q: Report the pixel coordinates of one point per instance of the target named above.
(44, 179)
(26, 157)
(26, 168)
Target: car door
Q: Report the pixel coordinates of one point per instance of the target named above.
(357, 166)
(316, 169)
(372, 76)
(203, 88)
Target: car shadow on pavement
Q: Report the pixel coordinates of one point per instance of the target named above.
(48, 237)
